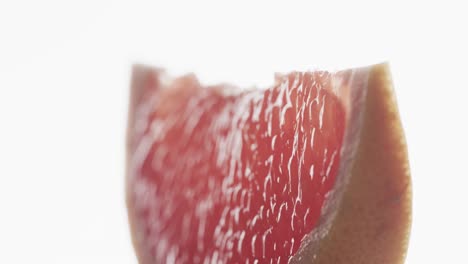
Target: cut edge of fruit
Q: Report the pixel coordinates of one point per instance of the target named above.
(373, 212)
(352, 94)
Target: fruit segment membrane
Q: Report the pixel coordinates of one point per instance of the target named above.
(218, 174)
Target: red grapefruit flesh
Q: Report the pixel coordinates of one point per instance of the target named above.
(216, 174)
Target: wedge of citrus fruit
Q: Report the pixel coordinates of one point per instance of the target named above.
(310, 170)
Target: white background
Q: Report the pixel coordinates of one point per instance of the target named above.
(64, 75)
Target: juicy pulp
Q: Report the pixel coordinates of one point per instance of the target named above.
(216, 174)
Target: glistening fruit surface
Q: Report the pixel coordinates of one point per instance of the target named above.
(222, 175)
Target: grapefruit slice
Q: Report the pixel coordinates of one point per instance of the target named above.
(311, 170)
